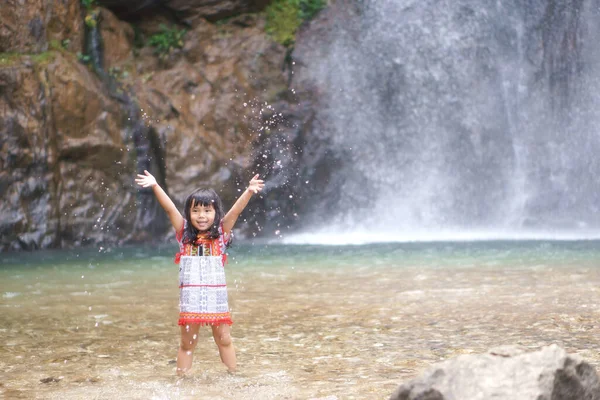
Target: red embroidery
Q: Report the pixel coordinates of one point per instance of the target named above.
(204, 319)
(203, 247)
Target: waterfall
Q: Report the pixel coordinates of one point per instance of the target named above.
(94, 45)
(464, 118)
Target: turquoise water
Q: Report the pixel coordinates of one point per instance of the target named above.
(310, 321)
(432, 254)
(440, 254)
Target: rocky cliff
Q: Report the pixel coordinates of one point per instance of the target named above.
(85, 103)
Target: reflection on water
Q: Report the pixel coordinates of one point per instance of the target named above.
(310, 322)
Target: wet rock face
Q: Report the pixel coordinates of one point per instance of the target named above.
(71, 137)
(31, 27)
(131, 8)
(24, 174)
(63, 156)
(505, 374)
(199, 100)
(118, 38)
(215, 9)
(189, 10)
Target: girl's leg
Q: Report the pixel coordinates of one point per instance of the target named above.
(189, 339)
(222, 336)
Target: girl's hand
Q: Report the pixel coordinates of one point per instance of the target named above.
(256, 185)
(146, 180)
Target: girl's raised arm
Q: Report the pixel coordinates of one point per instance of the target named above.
(164, 200)
(255, 186)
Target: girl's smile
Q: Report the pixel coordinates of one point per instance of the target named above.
(202, 216)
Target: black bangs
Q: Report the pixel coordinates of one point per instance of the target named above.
(202, 197)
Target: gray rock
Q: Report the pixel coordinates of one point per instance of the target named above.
(507, 373)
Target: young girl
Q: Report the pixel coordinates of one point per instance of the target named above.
(203, 235)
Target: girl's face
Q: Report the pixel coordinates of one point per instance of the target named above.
(202, 217)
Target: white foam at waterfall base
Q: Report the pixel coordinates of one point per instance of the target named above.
(359, 237)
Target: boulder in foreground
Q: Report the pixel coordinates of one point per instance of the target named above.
(507, 373)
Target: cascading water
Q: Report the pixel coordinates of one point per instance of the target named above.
(464, 119)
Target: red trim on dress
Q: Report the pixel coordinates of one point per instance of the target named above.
(204, 319)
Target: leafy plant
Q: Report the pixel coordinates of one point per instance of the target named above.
(284, 17)
(167, 40)
(283, 21)
(84, 58)
(88, 4)
(310, 8)
(91, 19)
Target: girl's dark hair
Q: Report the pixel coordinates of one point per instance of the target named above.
(202, 197)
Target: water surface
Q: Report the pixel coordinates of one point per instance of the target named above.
(309, 321)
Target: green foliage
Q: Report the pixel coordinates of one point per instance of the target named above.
(84, 58)
(59, 45)
(118, 73)
(91, 19)
(54, 44)
(310, 8)
(88, 4)
(283, 20)
(284, 17)
(9, 58)
(91, 15)
(45, 57)
(167, 40)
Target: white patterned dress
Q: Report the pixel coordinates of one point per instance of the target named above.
(203, 290)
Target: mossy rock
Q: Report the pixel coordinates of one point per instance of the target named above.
(284, 17)
(9, 59)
